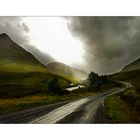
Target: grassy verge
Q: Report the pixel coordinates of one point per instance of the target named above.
(9, 105)
(124, 107)
(38, 98)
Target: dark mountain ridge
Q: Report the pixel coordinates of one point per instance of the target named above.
(132, 66)
(12, 52)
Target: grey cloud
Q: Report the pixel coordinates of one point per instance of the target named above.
(12, 26)
(17, 30)
(24, 27)
(109, 42)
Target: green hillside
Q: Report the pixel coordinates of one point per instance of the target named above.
(21, 72)
(67, 71)
(132, 66)
(124, 107)
(13, 53)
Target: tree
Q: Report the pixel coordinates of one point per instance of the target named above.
(93, 78)
(95, 81)
(53, 85)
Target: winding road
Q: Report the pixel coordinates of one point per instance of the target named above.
(86, 110)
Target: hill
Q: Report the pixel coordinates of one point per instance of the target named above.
(66, 71)
(14, 58)
(124, 107)
(20, 72)
(132, 66)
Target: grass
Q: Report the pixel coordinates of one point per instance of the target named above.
(117, 110)
(124, 107)
(24, 86)
(25, 90)
(9, 105)
(20, 79)
(109, 85)
(39, 98)
(26, 74)
(6, 66)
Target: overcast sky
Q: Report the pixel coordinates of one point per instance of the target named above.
(102, 44)
(109, 42)
(17, 29)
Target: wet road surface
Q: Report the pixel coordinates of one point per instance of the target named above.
(86, 110)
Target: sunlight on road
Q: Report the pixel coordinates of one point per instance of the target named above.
(61, 112)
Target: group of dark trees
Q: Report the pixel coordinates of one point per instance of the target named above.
(95, 81)
(55, 87)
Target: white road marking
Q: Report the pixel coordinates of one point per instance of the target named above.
(61, 112)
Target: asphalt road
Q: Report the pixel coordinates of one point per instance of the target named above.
(79, 111)
(86, 110)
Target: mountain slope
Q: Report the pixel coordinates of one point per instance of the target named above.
(65, 70)
(125, 106)
(19, 67)
(132, 66)
(15, 58)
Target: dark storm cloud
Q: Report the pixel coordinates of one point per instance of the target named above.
(17, 30)
(109, 42)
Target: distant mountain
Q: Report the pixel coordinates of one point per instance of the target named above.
(65, 70)
(132, 66)
(21, 74)
(43, 57)
(14, 58)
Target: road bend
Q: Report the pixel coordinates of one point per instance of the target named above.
(78, 111)
(85, 110)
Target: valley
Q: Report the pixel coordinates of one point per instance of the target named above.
(26, 84)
